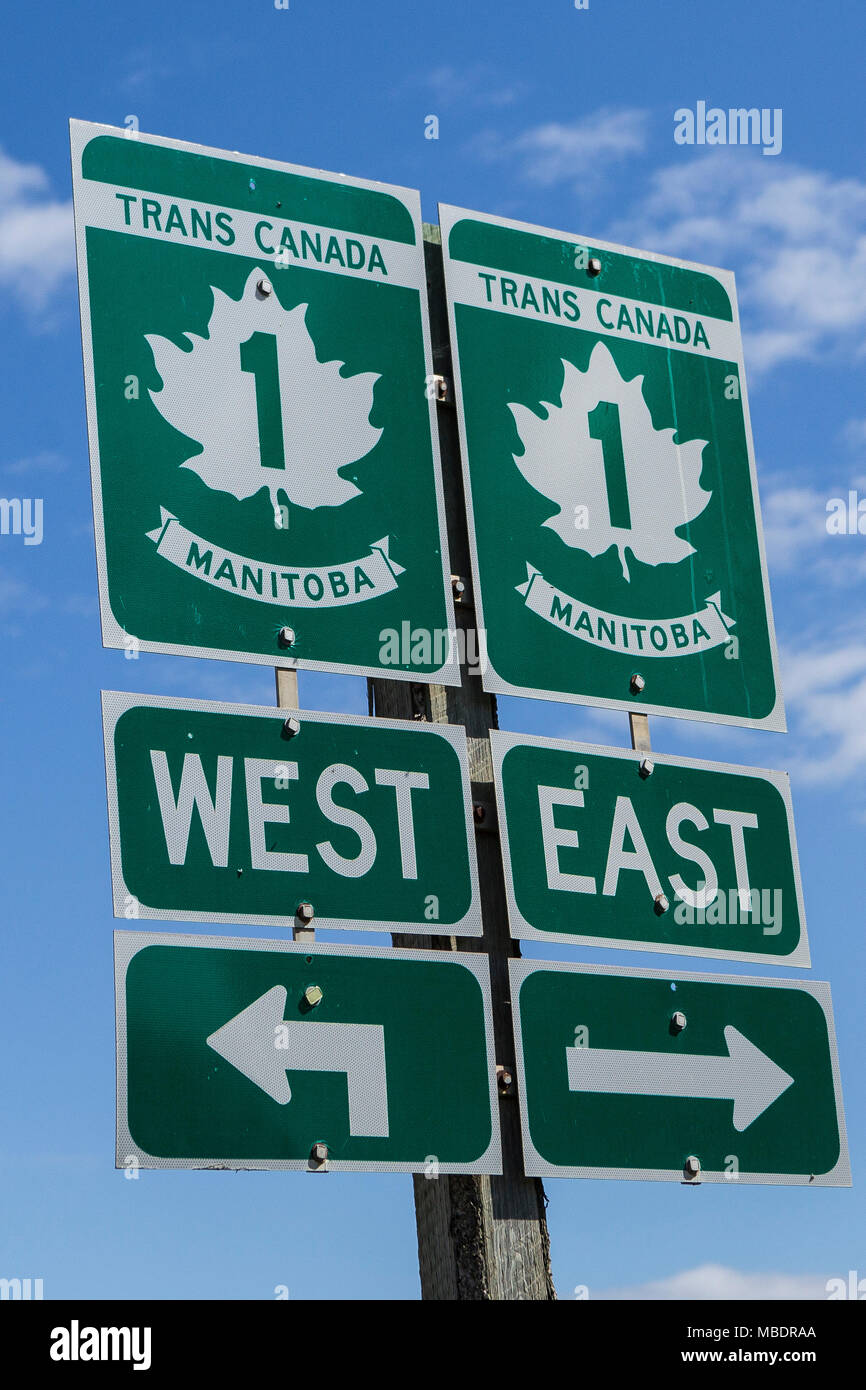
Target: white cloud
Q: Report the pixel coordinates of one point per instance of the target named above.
(795, 236)
(571, 152)
(45, 461)
(475, 85)
(825, 693)
(36, 238)
(795, 524)
(713, 1281)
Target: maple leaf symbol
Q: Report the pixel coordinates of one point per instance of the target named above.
(257, 371)
(618, 481)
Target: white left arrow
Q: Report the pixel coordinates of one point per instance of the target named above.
(261, 1044)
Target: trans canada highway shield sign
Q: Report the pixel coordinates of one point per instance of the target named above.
(610, 475)
(262, 431)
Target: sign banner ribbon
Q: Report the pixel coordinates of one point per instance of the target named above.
(322, 586)
(695, 632)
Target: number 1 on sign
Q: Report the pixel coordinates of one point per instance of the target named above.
(259, 357)
(604, 425)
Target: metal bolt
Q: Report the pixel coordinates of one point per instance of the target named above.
(306, 912)
(692, 1166)
(593, 266)
(660, 903)
(286, 637)
(504, 1080)
(458, 587)
(646, 767)
(319, 1153)
(678, 1021)
(291, 726)
(265, 288)
(636, 684)
(479, 813)
(314, 995)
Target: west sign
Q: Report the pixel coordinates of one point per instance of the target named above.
(233, 813)
(610, 476)
(260, 407)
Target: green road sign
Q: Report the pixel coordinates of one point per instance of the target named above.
(261, 410)
(706, 1078)
(227, 813)
(609, 474)
(249, 1054)
(611, 847)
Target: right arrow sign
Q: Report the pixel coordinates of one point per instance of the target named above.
(698, 1078)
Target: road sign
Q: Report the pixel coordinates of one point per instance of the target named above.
(612, 847)
(249, 1054)
(261, 410)
(631, 1074)
(229, 813)
(609, 474)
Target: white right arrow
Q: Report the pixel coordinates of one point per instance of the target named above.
(747, 1076)
(262, 1045)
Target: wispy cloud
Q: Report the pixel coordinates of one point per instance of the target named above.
(795, 236)
(825, 694)
(575, 152)
(476, 85)
(714, 1281)
(36, 237)
(45, 461)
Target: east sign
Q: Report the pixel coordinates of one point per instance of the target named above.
(260, 408)
(233, 813)
(612, 847)
(263, 1054)
(610, 476)
(695, 1078)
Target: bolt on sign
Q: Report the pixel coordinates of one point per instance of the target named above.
(260, 406)
(610, 475)
(233, 813)
(613, 847)
(264, 1054)
(696, 1078)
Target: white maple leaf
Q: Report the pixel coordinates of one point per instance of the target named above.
(207, 395)
(564, 461)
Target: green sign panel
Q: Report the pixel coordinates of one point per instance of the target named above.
(696, 1078)
(259, 1054)
(611, 847)
(261, 411)
(233, 813)
(610, 475)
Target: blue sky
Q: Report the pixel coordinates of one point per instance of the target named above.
(546, 114)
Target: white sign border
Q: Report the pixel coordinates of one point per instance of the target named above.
(449, 216)
(114, 636)
(127, 945)
(115, 703)
(521, 929)
(534, 1165)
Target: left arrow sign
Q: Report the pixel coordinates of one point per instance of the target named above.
(261, 1044)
